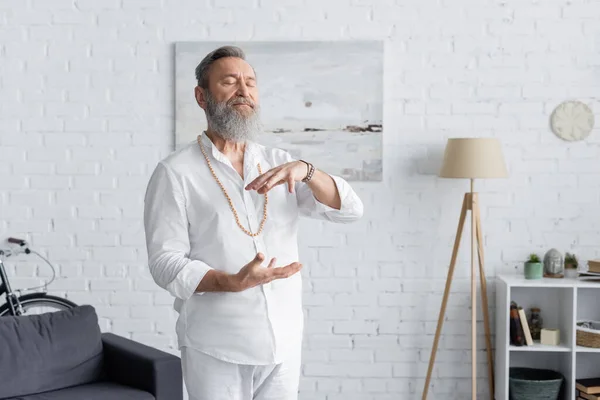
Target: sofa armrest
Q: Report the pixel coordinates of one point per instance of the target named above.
(134, 364)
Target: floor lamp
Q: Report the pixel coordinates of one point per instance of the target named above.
(470, 158)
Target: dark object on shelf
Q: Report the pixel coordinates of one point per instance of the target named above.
(536, 323)
(517, 337)
(534, 383)
(588, 386)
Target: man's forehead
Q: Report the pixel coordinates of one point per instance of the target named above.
(233, 66)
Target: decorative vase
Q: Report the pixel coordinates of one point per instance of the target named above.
(534, 270)
(571, 272)
(536, 323)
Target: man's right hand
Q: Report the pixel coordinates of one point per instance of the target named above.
(254, 274)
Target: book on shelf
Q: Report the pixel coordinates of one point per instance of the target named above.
(520, 334)
(585, 396)
(589, 276)
(516, 329)
(594, 266)
(588, 386)
(525, 326)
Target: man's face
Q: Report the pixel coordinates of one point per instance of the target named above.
(232, 81)
(231, 101)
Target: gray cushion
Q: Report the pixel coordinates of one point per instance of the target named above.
(93, 391)
(44, 352)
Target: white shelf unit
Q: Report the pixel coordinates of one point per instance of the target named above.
(562, 303)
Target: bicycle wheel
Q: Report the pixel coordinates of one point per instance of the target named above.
(39, 303)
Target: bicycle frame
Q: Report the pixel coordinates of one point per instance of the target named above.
(11, 298)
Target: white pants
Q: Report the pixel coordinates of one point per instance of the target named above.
(208, 378)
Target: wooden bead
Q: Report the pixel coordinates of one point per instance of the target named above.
(235, 214)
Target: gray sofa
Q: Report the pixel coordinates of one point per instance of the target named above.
(64, 356)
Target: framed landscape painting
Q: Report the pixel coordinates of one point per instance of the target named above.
(321, 101)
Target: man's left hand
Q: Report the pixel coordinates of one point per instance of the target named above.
(289, 173)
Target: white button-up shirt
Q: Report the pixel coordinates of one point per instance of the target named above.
(190, 229)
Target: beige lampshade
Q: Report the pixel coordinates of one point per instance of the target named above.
(473, 158)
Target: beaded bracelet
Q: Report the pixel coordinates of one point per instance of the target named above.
(310, 171)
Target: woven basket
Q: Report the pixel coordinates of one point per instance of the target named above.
(588, 334)
(534, 383)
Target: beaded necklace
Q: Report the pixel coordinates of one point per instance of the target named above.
(235, 214)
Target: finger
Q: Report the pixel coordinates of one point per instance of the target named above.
(257, 179)
(288, 270)
(295, 266)
(259, 258)
(291, 184)
(273, 181)
(261, 179)
(282, 272)
(293, 269)
(272, 263)
(270, 186)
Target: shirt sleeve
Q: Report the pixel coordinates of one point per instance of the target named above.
(167, 238)
(351, 205)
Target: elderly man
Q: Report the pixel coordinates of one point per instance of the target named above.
(221, 217)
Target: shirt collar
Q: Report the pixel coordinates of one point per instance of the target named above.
(250, 157)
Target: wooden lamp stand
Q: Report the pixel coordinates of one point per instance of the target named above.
(470, 202)
(470, 158)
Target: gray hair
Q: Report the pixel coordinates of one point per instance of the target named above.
(210, 58)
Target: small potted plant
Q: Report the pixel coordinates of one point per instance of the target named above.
(571, 265)
(534, 268)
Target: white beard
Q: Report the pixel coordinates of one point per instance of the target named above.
(228, 123)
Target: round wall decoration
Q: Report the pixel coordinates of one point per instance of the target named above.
(572, 120)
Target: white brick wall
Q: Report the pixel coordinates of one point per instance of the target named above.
(86, 112)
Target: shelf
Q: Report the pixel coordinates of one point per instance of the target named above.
(561, 362)
(562, 348)
(587, 365)
(583, 349)
(562, 303)
(587, 304)
(520, 281)
(559, 301)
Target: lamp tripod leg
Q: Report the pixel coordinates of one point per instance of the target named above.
(484, 299)
(440, 322)
(473, 300)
